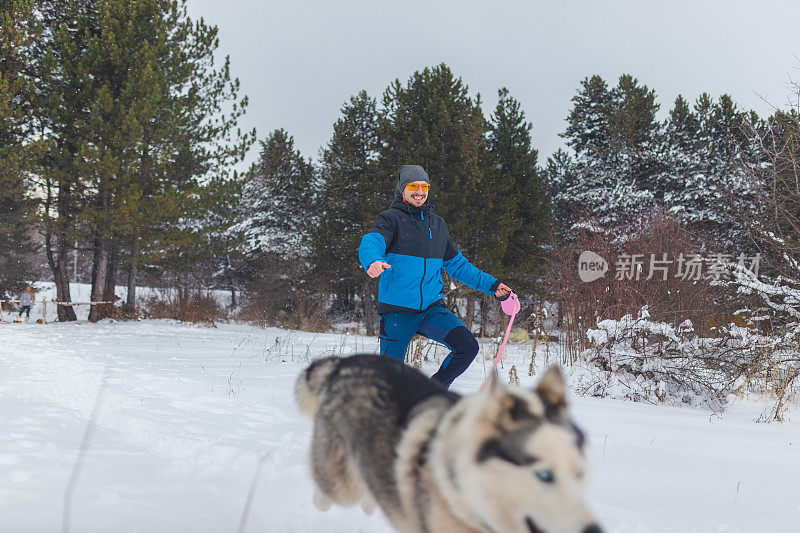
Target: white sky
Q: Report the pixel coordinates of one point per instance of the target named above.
(300, 60)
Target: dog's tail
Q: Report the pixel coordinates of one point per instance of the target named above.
(309, 385)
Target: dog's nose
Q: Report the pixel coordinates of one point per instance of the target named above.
(594, 528)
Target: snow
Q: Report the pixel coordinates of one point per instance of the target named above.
(189, 417)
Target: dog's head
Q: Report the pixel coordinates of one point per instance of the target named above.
(515, 460)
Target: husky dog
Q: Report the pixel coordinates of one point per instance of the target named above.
(504, 460)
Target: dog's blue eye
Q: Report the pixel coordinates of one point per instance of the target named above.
(545, 476)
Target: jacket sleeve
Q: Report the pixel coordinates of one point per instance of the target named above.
(459, 268)
(375, 243)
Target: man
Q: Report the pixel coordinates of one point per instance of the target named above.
(407, 249)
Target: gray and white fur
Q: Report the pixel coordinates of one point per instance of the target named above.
(507, 459)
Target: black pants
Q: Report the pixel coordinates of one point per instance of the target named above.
(25, 309)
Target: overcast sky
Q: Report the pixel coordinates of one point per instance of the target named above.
(300, 60)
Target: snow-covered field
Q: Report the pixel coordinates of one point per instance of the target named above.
(189, 417)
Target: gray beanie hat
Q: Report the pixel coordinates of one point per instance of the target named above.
(408, 174)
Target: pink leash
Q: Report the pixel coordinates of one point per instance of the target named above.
(511, 307)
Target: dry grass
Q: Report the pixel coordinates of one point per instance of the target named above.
(775, 376)
(197, 308)
(263, 312)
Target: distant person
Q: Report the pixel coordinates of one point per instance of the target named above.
(26, 300)
(408, 248)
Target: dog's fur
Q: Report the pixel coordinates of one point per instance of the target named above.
(504, 460)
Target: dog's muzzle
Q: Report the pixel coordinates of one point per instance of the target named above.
(533, 528)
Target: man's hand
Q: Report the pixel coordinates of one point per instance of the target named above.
(377, 268)
(502, 291)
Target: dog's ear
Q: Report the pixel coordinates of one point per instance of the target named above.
(552, 390)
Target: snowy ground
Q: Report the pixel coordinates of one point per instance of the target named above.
(189, 416)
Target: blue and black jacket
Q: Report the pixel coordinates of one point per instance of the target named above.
(416, 243)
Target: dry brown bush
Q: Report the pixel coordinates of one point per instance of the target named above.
(194, 307)
(283, 291)
(311, 317)
(671, 300)
(126, 312)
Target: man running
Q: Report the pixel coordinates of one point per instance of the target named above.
(407, 248)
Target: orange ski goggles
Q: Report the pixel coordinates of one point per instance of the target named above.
(415, 186)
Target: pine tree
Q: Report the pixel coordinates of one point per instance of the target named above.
(18, 28)
(616, 139)
(588, 134)
(636, 134)
(348, 184)
(522, 216)
(62, 110)
(206, 246)
(279, 198)
(682, 158)
(588, 130)
(133, 105)
(278, 212)
(725, 133)
(189, 141)
(432, 121)
(224, 238)
(704, 180)
(563, 184)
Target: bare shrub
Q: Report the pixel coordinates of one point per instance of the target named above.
(655, 361)
(667, 338)
(283, 291)
(311, 317)
(771, 165)
(668, 297)
(186, 307)
(774, 375)
(643, 360)
(127, 312)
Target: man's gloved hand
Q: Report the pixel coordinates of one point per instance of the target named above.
(377, 268)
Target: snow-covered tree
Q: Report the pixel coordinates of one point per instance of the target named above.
(703, 179)
(773, 218)
(278, 198)
(626, 163)
(616, 140)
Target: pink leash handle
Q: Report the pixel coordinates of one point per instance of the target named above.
(511, 307)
